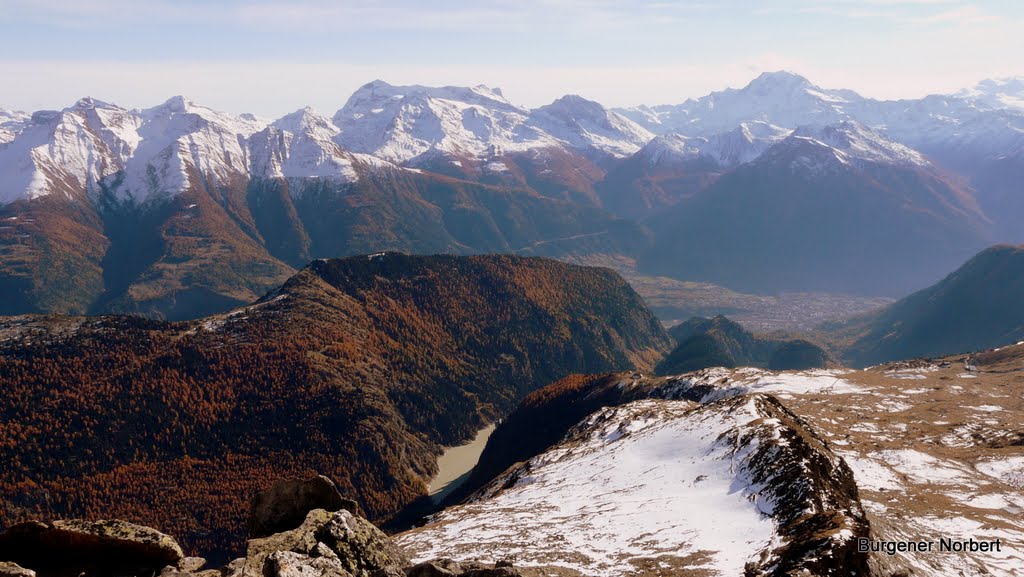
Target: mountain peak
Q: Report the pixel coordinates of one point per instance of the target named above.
(376, 83)
(1015, 83)
(379, 91)
(575, 104)
(806, 154)
(11, 122)
(303, 120)
(779, 79)
(728, 149)
(90, 103)
(587, 124)
(178, 103)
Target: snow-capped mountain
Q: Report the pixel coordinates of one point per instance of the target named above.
(586, 125)
(779, 98)
(851, 141)
(11, 123)
(727, 149)
(954, 130)
(402, 168)
(996, 93)
(405, 123)
(202, 209)
(797, 215)
(302, 145)
(401, 123)
(137, 155)
(133, 154)
(672, 168)
(182, 144)
(965, 124)
(68, 151)
(973, 133)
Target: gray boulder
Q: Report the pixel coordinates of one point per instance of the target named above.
(291, 564)
(325, 542)
(284, 506)
(95, 548)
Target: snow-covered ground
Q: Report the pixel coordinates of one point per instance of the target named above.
(934, 460)
(653, 485)
(644, 481)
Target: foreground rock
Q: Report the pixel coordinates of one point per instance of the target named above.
(322, 543)
(285, 505)
(329, 544)
(92, 548)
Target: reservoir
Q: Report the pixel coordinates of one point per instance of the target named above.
(456, 462)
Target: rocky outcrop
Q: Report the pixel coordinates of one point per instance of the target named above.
(14, 570)
(285, 505)
(326, 544)
(92, 548)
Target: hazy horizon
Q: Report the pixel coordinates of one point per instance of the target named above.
(270, 58)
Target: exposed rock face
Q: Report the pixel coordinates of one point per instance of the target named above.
(95, 548)
(291, 564)
(285, 505)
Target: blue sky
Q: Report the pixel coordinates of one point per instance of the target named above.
(272, 56)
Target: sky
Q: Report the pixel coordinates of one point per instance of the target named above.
(270, 57)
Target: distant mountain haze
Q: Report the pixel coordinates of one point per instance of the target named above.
(976, 307)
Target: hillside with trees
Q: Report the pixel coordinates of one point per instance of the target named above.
(360, 368)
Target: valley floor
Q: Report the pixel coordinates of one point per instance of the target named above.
(673, 301)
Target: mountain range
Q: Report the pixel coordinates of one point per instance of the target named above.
(180, 211)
